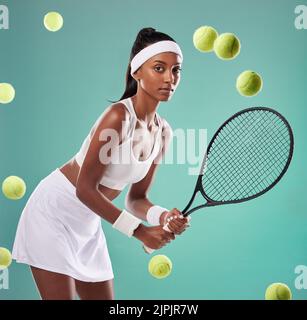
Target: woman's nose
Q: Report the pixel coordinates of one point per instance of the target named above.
(169, 77)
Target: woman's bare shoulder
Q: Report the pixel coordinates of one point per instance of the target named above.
(118, 110)
(166, 127)
(114, 116)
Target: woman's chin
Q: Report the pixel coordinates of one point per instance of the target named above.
(165, 97)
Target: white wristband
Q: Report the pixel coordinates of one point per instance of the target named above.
(153, 215)
(126, 223)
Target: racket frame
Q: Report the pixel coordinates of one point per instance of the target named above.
(199, 184)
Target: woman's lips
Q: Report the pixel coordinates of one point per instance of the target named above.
(165, 90)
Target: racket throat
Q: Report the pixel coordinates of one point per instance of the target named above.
(208, 204)
(198, 188)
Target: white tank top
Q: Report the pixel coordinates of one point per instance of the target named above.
(126, 169)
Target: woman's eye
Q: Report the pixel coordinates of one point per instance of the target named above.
(158, 67)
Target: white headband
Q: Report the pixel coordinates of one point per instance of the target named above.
(152, 50)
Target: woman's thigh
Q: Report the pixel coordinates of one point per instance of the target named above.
(103, 290)
(54, 286)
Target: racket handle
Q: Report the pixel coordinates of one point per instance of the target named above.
(149, 250)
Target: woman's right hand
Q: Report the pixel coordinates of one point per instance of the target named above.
(153, 237)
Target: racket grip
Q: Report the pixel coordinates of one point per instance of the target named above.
(150, 250)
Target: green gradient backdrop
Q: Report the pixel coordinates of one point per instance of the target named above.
(63, 81)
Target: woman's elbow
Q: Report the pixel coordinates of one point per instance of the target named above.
(82, 192)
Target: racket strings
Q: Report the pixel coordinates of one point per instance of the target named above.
(252, 178)
(273, 170)
(231, 156)
(251, 155)
(247, 156)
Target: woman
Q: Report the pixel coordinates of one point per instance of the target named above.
(59, 234)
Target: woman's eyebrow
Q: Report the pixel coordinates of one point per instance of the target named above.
(164, 62)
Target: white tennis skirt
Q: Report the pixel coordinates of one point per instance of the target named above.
(58, 233)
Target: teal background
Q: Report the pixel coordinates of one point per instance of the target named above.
(62, 82)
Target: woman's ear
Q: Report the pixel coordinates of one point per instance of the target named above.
(135, 78)
(136, 75)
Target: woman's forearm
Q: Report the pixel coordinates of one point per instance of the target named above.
(100, 204)
(139, 208)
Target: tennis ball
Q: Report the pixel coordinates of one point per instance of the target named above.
(227, 46)
(249, 83)
(53, 21)
(7, 93)
(278, 291)
(5, 258)
(204, 37)
(13, 188)
(160, 266)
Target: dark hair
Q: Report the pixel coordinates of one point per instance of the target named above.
(144, 38)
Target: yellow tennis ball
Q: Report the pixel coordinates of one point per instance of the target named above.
(53, 21)
(160, 266)
(7, 93)
(278, 291)
(5, 258)
(227, 46)
(249, 83)
(13, 187)
(204, 37)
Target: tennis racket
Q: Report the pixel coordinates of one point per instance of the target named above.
(246, 157)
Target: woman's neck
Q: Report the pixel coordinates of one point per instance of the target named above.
(145, 108)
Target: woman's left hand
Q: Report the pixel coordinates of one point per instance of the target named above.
(175, 221)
